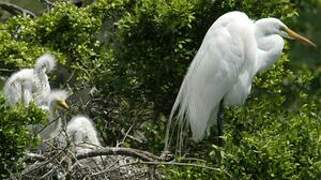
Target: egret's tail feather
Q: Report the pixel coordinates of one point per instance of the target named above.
(46, 61)
(178, 122)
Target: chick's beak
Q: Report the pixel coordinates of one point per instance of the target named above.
(63, 104)
(299, 37)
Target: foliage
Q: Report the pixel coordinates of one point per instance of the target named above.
(125, 60)
(15, 136)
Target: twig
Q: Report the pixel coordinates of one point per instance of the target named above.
(48, 3)
(35, 157)
(180, 164)
(48, 173)
(7, 70)
(41, 164)
(112, 169)
(185, 164)
(15, 9)
(143, 155)
(70, 76)
(125, 135)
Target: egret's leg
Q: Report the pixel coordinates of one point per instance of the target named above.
(220, 119)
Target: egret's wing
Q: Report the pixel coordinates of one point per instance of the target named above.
(13, 87)
(41, 88)
(212, 73)
(217, 67)
(241, 89)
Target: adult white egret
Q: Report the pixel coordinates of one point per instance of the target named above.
(233, 51)
(38, 79)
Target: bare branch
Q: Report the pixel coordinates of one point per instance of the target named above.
(180, 164)
(7, 70)
(35, 157)
(109, 169)
(15, 9)
(48, 3)
(143, 155)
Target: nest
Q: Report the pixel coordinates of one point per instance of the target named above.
(59, 159)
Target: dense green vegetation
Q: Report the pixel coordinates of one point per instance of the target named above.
(124, 61)
(14, 135)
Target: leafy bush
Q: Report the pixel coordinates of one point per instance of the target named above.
(15, 136)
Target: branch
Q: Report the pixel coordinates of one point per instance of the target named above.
(115, 168)
(6, 70)
(35, 157)
(15, 9)
(180, 164)
(48, 3)
(143, 155)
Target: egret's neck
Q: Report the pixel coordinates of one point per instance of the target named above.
(269, 44)
(41, 74)
(53, 113)
(54, 125)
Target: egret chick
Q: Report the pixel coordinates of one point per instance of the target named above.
(36, 77)
(41, 87)
(19, 87)
(83, 134)
(56, 101)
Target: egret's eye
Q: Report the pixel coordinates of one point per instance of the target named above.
(284, 34)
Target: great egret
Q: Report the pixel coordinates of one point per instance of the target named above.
(36, 77)
(56, 101)
(19, 87)
(41, 87)
(233, 51)
(83, 134)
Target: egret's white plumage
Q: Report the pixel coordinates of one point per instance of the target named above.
(56, 100)
(233, 51)
(36, 77)
(41, 88)
(82, 131)
(83, 134)
(45, 63)
(19, 87)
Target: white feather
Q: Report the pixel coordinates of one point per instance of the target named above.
(41, 86)
(13, 86)
(82, 130)
(54, 121)
(83, 134)
(45, 63)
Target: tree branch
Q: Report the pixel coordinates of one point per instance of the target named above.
(48, 3)
(143, 155)
(15, 9)
(35, 157)
(180, 164)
